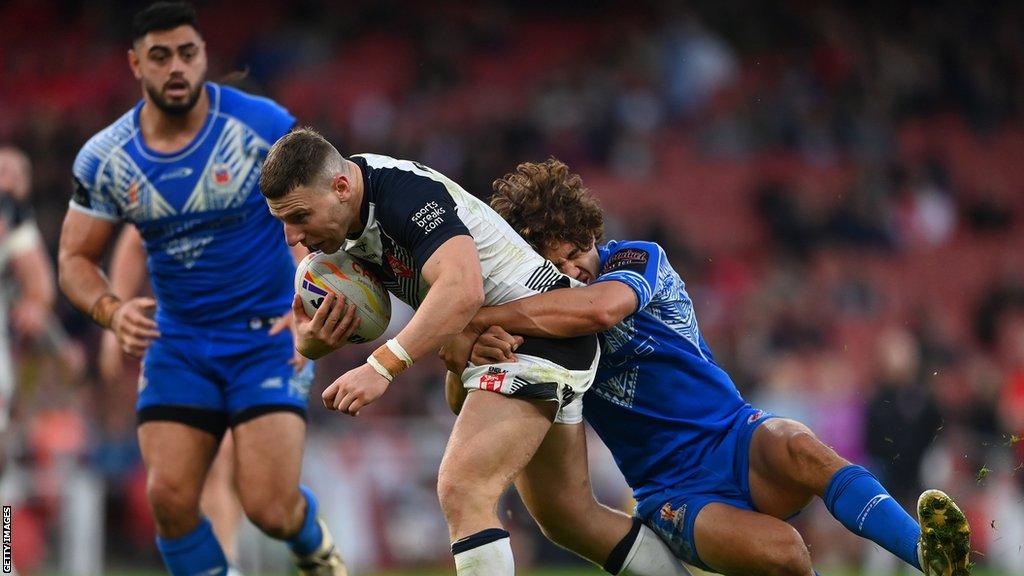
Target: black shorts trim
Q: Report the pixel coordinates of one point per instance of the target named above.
(547, 391)
(570, 353)
(257, 411)
(214, 422)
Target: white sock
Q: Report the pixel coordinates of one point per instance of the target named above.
(649, 556)
(486, 553)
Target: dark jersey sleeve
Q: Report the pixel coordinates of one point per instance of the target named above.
(416, 211)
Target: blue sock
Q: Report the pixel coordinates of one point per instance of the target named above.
(310, 536)
(857, 500)
(194, 553)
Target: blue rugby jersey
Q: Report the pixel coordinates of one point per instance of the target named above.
(659, 399)
(215, 254)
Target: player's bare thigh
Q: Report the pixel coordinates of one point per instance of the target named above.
(555, 486)
(741, 542)
(177, 458)
(494, 437)
(788, 467)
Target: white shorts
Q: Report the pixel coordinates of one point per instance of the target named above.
(548, 369)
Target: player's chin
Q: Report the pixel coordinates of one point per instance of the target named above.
(176, 106)
(326, 248)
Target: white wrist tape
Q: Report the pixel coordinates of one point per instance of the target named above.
(395, 347)
(379, 368)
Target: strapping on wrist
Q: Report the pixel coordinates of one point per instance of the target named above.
(390, 360)
(103, 309)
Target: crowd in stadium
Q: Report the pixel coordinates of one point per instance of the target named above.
(840, 187)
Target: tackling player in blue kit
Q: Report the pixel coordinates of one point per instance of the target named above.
(183, 167)
(713, 476)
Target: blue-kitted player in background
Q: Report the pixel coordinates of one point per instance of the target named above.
(714, 477)
(183, 167)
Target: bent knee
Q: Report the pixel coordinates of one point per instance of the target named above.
(278, 513)
(172, 498)
(454, 499)
(804, 447)
(461, 495)
(273, 519)
(789, 556)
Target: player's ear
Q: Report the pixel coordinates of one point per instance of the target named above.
(133, 63)
(340, 186)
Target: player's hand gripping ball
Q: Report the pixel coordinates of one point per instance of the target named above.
(319, 274)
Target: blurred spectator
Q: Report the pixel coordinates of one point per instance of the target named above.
(1011, 401)
(902, 416)
(1005, 296)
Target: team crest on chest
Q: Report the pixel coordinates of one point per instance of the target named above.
(399, 267)
(221, 174)
(132, 207)
(133, 195)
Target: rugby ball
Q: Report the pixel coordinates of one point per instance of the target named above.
(319, 274)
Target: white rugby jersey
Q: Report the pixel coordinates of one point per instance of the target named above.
(410, 210)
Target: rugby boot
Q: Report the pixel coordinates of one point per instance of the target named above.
(945, 545)
(325, 561)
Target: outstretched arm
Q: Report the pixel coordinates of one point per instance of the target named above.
(628, 279)
(562, 313)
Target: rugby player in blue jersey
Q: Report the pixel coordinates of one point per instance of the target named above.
(713, 476)
(183, 167)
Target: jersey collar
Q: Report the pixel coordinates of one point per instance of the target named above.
(366, 208)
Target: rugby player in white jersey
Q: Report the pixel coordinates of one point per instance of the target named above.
(445, 253)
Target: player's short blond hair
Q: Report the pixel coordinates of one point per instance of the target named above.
(547, 205)
(299, 158)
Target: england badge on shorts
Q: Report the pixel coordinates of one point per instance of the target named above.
(493, 379)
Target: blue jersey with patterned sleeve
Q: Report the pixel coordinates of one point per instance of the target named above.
(659, 401)
(215, 254)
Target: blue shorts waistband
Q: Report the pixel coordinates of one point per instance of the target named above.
(253, 323)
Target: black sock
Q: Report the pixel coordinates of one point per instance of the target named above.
(613, 565)
(479, 539)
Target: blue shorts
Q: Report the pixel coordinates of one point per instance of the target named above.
(723, 476)
(214, 377)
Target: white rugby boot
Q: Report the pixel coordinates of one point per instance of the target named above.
(325, 561)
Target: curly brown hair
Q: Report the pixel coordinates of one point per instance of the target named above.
(547, 205)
